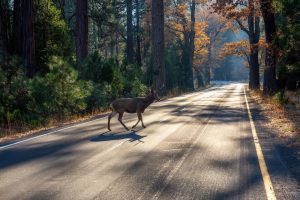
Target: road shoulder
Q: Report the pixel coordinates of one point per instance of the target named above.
(281, 154)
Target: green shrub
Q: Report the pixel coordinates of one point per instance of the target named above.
(97, 69)
(59, 92)
(279, 97)
(100, 97)
(138, 88)
(14, 94)
(52, 35)
(116, 80)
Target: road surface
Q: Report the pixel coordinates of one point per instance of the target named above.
(196, 146)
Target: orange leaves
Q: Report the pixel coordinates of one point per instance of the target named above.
(239, 48)
(201, 38)
(181, 10)
(238, 9)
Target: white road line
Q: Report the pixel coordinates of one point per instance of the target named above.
(262, 164)
(45, 134)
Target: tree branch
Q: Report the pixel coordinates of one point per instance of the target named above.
(243, 28)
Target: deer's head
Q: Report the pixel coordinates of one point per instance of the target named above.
(153, 94)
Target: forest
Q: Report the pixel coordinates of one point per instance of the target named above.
(66, 58)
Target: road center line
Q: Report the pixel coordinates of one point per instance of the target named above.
(262, 164)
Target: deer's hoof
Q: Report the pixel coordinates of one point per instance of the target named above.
(109, 129)
(144, 127)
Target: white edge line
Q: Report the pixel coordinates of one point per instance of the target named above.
(261, 160)
(45, 134)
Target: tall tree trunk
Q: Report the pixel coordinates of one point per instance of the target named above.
(28, 43)
(138, 35)
(192, 41)
(3, 42)
(129, 40)
(158, 46)
(253, 34)
(186, 62)
(188, 49)
(81, 30)
(17, 29)
(4, 26)
(270, 82)
(208, 65)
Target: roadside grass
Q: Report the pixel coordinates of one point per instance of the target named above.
(20, 130)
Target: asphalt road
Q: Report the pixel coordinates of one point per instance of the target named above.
(196, 146)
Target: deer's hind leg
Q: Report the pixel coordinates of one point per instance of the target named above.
(136, 123)
(141, 119)
(120, 120)
(113, 113)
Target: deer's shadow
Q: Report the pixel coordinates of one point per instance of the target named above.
(132, 136)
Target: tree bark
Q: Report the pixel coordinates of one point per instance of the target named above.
(192, 41)
(17, 29)
(129, 39)
(3, 44)
(158, 46)
(186, 62)
(208, 66)
(81, 30)
(28, 43)
(5, 31)
(138, 35)
(270, 82)
(188, 50)
(253, 34)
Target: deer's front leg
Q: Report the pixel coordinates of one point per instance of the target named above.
(141, 118)
(113, 113)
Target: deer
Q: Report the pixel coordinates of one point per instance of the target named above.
(132, 105)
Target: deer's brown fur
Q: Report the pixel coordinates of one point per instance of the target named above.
(132, 105)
